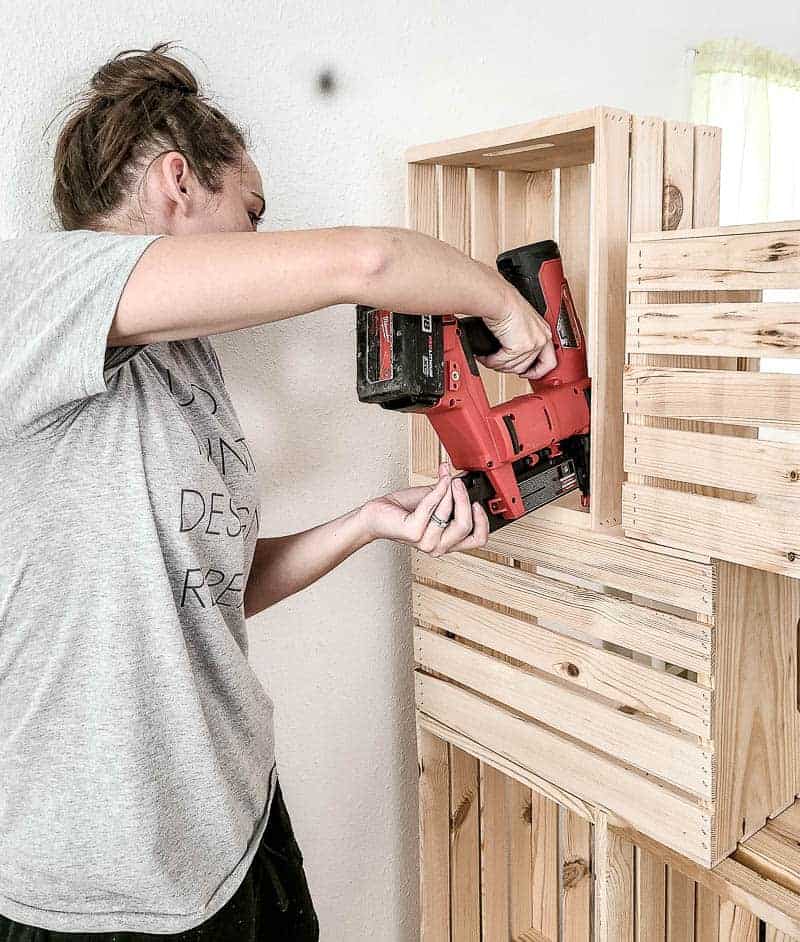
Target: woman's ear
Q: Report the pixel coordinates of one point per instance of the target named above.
(175, 181)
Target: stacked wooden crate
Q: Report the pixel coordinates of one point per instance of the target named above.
(600, 690)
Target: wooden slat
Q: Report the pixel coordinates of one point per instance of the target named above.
(658, 750)
(528, 212)
(514, 189)
(575, 871)
(544, 865)
(755, 708)
(614, 893)
(651, 892)
(668, 817)
(573, 235)
(714, 395)
(511, 219)
(752, 465)
(647, 173)
(647, 201)
(775, 935)
(505, 765)
(494, 855)
(715, 231)
(773, 856)
(574, 231)
(736, 924)
(787, 822)
(606, 313)
(539, 207)
(454, 209)
(483, 241)
(661, 634)
(715, 329)
(434, 836)
(465, 899)
(680, 907)
(707, 160)
(559, 539)
(633, 687)
(706, 915)
(422, 214)
(520, 859)
(566, 130)
(678, 175)
(733, 881)
(753, 535)
(454, 216)
(756, 260)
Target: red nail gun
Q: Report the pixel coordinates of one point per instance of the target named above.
(520, 454)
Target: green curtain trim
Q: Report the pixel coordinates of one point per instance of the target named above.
(744, 58)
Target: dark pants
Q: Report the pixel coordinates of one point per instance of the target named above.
(272, 904)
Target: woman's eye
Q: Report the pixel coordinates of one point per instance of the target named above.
(255, 219)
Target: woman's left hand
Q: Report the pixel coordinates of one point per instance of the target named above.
(405, 516)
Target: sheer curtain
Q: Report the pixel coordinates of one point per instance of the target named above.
(753, 94)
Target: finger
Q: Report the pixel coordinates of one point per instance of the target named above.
(409, 497)
(547, 361)
(422, 513)
(444, 508)
(461, 524)
(521, 363)
(493, 359)
(510, 364)
(480, 530)
(431, 539)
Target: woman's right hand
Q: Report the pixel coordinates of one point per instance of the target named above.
(526, 342)
(406, 516)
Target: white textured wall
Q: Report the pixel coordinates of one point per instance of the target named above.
(337, 657)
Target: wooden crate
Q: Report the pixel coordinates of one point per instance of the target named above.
(564, 177)
(647, 693)
(703, 477)
(618, 667)
(517, 860)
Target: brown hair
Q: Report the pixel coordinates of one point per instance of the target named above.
(140, 104)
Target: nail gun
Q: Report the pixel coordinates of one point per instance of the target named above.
(518, 455)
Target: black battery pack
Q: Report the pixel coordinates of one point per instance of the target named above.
(399, 359)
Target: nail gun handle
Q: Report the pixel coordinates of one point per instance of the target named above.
(481, 340)
(535, 271)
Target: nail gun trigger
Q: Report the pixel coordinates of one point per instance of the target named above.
(508, 418)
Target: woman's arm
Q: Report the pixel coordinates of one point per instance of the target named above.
(283, 565)
(196, 285)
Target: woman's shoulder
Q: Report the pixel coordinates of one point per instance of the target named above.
(41, 247)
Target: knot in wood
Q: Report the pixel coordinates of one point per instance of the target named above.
(672, 206)
(573, 872)
(462, 809)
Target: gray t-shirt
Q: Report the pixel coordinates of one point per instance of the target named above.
(137, 764)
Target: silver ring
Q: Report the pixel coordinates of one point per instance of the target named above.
(438, 521)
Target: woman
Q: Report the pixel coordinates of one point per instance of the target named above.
(139, 795)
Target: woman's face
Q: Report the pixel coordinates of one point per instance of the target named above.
(176, 203)
(240, 204)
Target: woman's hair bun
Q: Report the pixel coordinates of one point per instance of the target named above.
(135, 71)
(140, 104)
